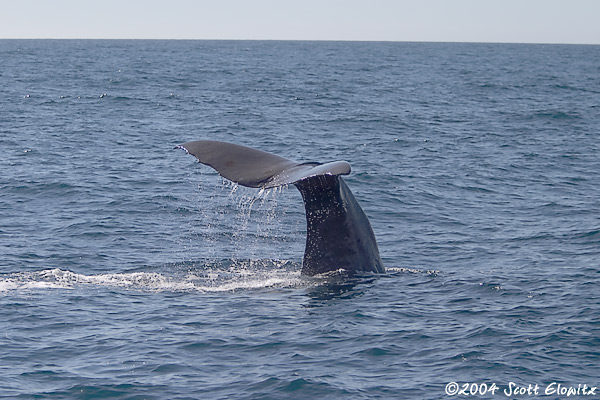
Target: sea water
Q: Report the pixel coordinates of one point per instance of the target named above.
(130, 271)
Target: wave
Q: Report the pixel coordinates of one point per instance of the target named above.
(557, 114)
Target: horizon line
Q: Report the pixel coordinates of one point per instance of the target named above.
(304, 40)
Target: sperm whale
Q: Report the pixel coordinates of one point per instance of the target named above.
(339, 234)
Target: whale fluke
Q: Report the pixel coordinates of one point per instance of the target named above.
(339, 235)
(255, 168)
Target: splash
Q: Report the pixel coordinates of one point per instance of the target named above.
(238, 276)
(64, 279)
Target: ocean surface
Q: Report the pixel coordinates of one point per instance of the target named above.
(130, 271)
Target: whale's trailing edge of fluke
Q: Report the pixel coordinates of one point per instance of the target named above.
(339, 235)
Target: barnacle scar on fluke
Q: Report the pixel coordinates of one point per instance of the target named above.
(339, 235)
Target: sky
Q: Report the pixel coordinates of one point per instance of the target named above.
(511, 21)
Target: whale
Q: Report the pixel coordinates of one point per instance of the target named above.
(339, 236)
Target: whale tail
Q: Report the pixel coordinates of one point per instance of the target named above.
(339, 235)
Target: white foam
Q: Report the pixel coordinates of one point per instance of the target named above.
(147, 280)
(212, 281)
(248, 284)
(411, 270)
(7, 284)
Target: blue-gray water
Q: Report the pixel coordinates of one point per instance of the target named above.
(129, 271)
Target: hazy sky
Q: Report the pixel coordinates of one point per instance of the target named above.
(530, 21)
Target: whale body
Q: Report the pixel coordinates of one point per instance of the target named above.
(339, 235)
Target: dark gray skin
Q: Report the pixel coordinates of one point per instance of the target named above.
(339, 235)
